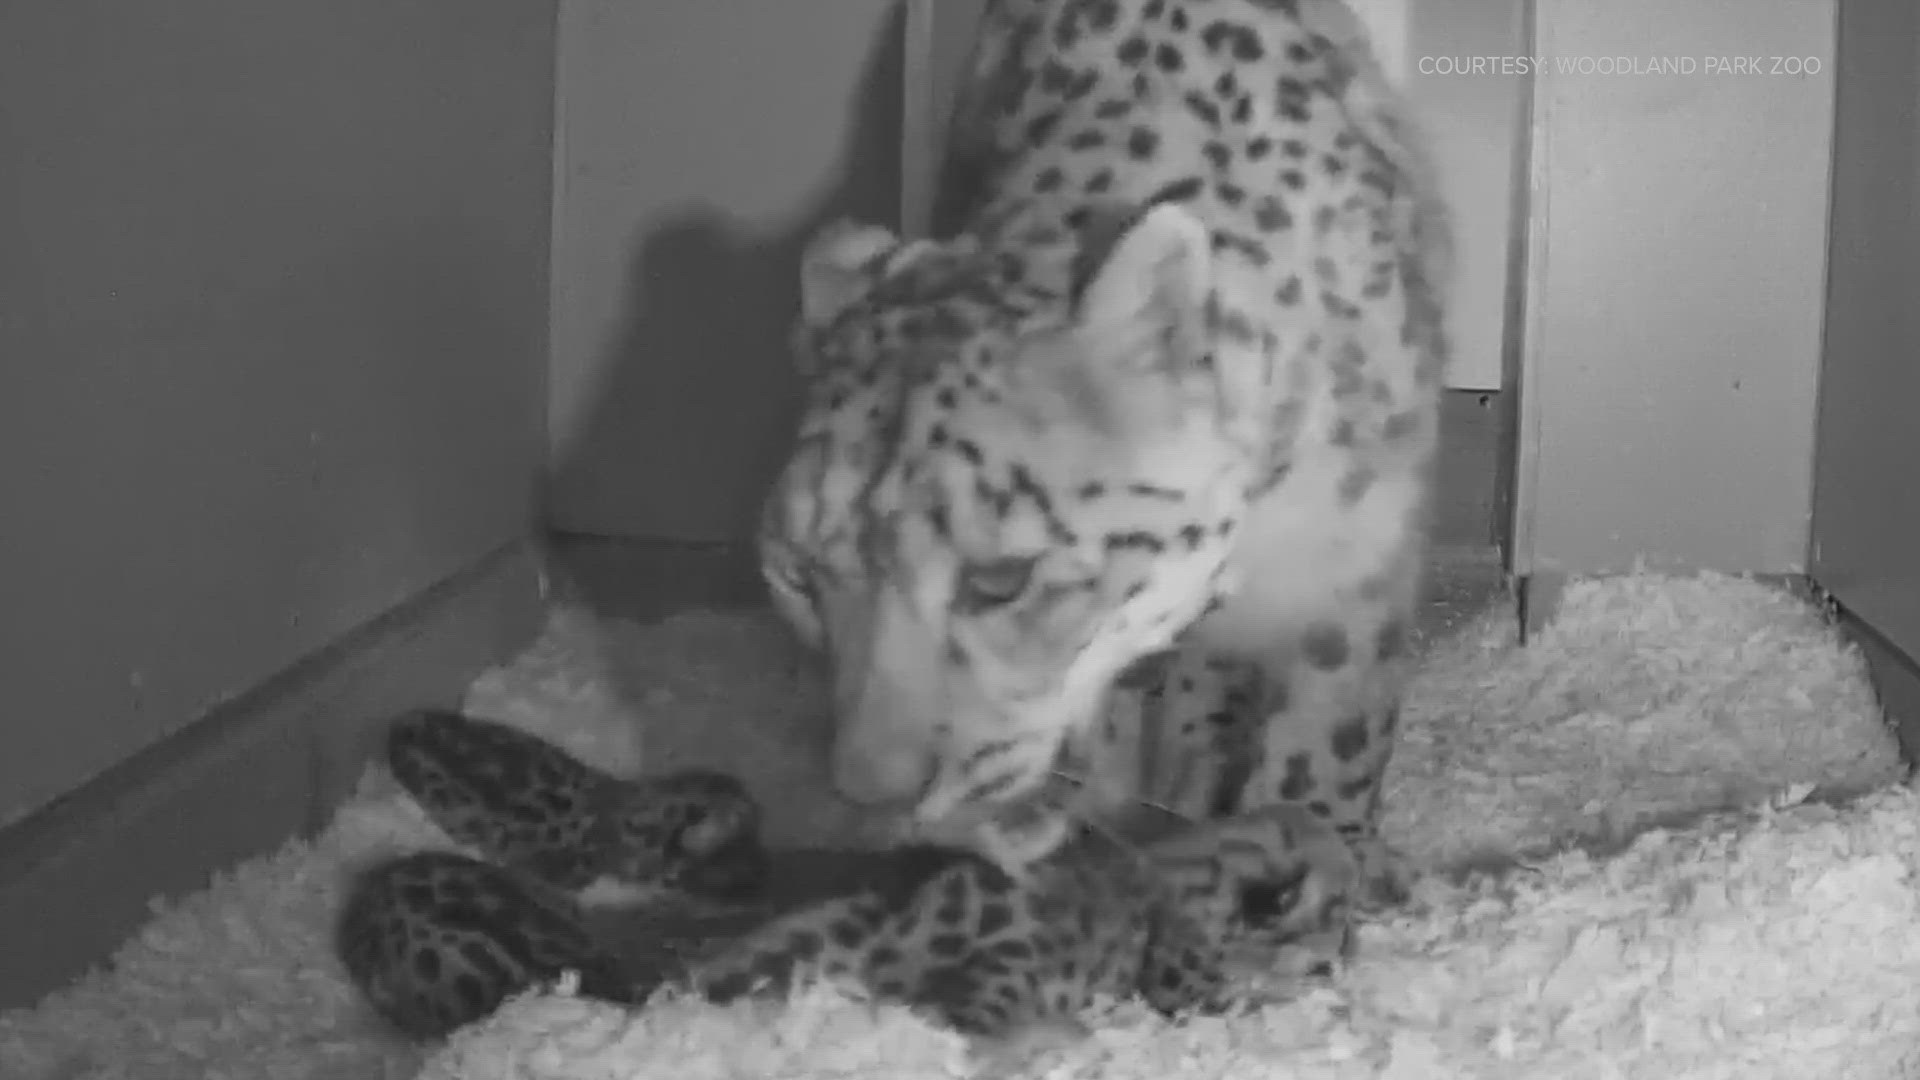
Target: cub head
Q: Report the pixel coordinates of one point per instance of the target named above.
(1018, 471)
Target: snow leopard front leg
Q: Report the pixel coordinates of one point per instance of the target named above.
(1328, 709)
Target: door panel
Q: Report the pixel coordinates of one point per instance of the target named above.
(1866, 527)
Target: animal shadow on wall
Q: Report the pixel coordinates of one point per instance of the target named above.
(693, 396)
(702, 362)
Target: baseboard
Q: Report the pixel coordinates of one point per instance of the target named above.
(649, 579)
(76, 877)
(1895, 675)
(1537, 600)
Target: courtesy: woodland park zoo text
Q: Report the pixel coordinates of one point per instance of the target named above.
(1620, 65)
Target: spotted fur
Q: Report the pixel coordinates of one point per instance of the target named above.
(435, 940)
(999, 955)
(1127, 477)
(531, 807)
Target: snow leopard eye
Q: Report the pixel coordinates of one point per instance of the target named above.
(993, 583)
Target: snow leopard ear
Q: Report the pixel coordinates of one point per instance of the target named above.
(1151, 283)
(1136, 358)
(839, 266)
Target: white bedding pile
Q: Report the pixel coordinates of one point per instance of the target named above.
(1759, 944)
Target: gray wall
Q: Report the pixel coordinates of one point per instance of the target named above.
(1866, 534)
(272, 332)
(1675, 290)
(699, 143)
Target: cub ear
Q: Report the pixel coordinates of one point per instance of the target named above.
(839, 266)
(1152, 280)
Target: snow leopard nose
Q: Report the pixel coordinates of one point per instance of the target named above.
(889, 772)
